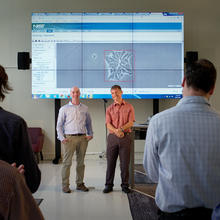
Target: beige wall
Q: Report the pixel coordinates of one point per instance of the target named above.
(202, 34)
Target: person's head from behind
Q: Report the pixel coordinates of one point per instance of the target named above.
(75, 93)
(4, 85)
(116, 93)
(200, 77)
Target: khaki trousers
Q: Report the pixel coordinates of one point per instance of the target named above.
(78, 144)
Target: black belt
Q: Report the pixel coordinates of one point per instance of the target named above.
(75, 134)
(199, 211)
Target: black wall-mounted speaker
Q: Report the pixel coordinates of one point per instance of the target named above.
(191, 57)
(23, 60)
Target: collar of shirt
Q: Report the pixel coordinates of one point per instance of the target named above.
(193, 99)
(70, 103)
(122, 103)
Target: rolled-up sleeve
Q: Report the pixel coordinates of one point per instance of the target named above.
(132, 115)
(108, 119)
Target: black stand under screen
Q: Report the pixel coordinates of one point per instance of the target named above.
(57, 142)
(155, 106)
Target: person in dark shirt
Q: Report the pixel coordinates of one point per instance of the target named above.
(15, 146)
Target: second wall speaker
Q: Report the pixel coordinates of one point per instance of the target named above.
(23, 60)
(191, 57)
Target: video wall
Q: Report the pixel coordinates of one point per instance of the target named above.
(141, 52)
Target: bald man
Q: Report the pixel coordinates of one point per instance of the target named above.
(74, 129)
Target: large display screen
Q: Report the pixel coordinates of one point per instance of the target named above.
(141, 52)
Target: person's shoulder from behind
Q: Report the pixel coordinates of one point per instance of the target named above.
(166, 113)
(9, 117)
(215, 112)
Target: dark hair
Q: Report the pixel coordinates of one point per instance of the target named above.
(4, 85)
(201, 75)
(116, 87)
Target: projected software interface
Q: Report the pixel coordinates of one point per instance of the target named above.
(141, 52)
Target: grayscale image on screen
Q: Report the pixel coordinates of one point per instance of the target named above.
(100, 65)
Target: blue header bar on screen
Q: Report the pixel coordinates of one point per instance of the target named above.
(57, 27)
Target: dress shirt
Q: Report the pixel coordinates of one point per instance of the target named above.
(182, 154)
(120, 114)
(73, 119)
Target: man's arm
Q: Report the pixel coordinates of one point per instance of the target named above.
(131, 119)
(60, 124)
(89, 127)
(127, 125)
(25, 156)
(151, 159)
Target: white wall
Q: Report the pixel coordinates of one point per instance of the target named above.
(202, 34)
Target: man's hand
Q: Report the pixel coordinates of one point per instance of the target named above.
(119, 133)
(64, 141)
(20, 168)
(89, 138)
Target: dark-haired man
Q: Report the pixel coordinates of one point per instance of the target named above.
(119, 120)
(183, 147)
(15, 144)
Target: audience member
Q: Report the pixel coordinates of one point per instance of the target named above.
(15, 143)
(16, 200)
(182, 149)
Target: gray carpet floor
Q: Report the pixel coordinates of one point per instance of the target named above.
(142, 207)
(142, 181)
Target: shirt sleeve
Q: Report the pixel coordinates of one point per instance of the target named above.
(60, 124)
(89, 124)
(25, 156)
(132, 115)
(151, 159)
(108, 119)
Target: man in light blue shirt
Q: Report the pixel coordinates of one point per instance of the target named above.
(182, 150)
(74, 129)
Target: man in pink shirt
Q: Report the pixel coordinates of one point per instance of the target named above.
(119, 120)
